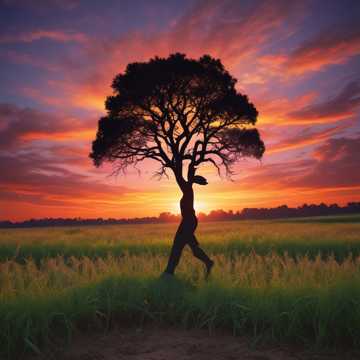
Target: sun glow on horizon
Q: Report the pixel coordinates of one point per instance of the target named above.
(199, 205)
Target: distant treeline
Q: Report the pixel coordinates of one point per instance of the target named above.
(216, 215)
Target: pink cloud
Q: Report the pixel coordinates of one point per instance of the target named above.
(341, 106)
(236, 36)
(22, 125)
(337, 164)
(274, 109)
(335, 45)
(331, 46)
(42, 182)
(334, 165)
(305, 138)
(54, 35)
(27, 59)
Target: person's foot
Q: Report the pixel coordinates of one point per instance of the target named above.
(166, 274)
(209, 266)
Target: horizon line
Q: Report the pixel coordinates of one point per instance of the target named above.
(169, 213)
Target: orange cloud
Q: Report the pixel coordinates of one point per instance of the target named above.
(334, 164)
(235, 39)
(307, 109)
(332, 46)
(305, 138)
(275, 110)
(335, 45)
(60, 135)
(341, 106)
(21, 125)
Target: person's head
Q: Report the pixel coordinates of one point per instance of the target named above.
(200, 180)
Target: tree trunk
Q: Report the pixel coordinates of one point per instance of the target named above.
(185, 234)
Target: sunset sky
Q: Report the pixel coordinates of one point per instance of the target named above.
(298, 61)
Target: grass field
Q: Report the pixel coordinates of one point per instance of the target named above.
(288, 281)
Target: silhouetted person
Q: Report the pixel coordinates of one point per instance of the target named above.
(185, 232)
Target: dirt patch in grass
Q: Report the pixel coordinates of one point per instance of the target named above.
(152, 343)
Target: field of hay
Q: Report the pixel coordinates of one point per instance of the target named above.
(289, 281)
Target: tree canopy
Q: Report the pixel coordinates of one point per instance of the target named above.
(177, 111)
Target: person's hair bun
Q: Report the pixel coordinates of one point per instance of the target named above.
(200, 180)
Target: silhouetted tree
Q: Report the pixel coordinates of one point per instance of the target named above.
(181, 113)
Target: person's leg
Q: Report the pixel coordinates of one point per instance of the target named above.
(200, 254)
(175, 254)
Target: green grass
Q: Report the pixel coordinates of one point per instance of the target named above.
(229, 238)
(280, 281)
